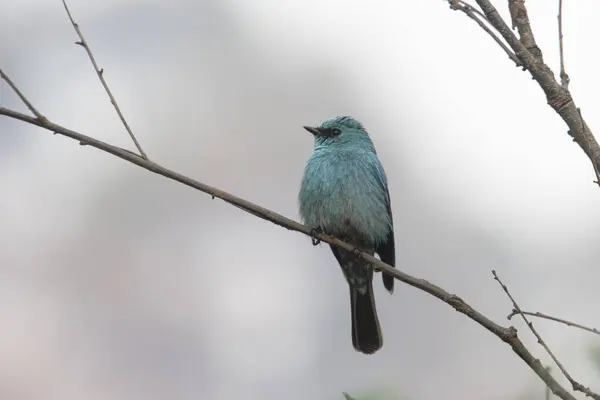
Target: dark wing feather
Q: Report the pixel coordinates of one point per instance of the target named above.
(387, 251)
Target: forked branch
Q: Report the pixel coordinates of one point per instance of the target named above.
(527, 51)
(479, 18)
(576, 385)
(100, 73)
(551, 318)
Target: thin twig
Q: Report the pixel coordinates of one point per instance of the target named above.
(562, 321)
(100, 73)
(576, 385)
(478, 17)
(564, 78)
(507, 335)
(21, 96)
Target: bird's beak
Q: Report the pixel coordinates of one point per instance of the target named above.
(314, 131)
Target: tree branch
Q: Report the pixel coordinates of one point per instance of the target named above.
(507, 335)
(520, 20)
(478, 17)
(576, 385)
(21, 96)
(558, 97)
(100, 73)
(551, 318)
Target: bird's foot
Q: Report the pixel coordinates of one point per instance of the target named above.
(314, 232)
(357, 253)
(376, 268)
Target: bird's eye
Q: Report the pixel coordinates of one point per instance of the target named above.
(335, 131)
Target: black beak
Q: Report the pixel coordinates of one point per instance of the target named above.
(316, 131)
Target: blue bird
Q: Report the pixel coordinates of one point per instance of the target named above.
(344, 193)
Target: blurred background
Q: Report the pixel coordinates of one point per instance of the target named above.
(119, 284)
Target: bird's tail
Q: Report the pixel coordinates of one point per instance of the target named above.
(366, 332)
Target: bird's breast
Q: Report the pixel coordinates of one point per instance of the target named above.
(342, 194)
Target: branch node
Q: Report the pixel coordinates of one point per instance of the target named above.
(43, 120)
(540, 340)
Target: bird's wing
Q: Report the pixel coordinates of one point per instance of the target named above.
(386, 249)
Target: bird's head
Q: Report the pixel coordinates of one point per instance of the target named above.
(340, 132)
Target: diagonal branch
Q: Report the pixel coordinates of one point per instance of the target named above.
(576, 385)
(547, 391)
(478, 17)
(100, 73)
(507, 335)
(529, 56)
(21, 96)
(558, 97)
(551, 318)
(520, 20)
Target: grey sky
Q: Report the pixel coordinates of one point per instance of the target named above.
(118, 284)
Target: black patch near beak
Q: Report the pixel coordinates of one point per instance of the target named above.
(326, 132)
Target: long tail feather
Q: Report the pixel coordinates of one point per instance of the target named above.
(366, 332)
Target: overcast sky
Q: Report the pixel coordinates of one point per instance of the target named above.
(119, 284)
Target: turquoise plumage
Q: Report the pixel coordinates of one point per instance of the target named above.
(344, 193)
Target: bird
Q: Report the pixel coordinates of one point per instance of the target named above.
(344, 193)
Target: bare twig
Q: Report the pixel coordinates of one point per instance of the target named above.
(21, 96)
(347, 396)
(562, 321)
(478, 17)
(564, 78)
(557, 96)
(100, 73)
(576, 385)
(508, 335)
